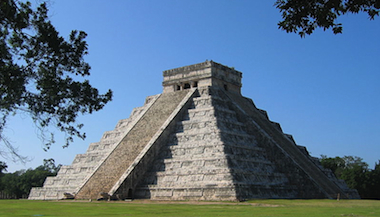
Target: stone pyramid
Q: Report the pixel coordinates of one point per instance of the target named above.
(198, 140)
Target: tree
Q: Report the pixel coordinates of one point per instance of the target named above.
(41, 74)
(10, 183)
(19, 183)
(3, 167)
(304, 16)
(49, 165)
(356, 174)
(340, 166)
(336, 164)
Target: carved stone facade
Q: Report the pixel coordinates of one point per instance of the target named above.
(204, 74)
(198, 140)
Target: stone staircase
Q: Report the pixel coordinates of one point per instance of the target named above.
(124, 154)
(69, 178)
(208, 156)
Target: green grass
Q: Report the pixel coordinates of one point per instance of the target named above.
(293, 208)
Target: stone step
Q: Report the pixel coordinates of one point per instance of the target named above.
(101, 147)
(67, 182)
(46, 194)
(219, 180)
(210, 112)
(111, 136)
(212, 151)
(212, 135)
(87, 159)
(202, 125)
(192, 179)
(211, 161)
(75, 171)
(243, 148)
(219, 145)
(217, 193)
(191, 171)
(206, 101)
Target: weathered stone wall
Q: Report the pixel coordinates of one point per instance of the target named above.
(70, 178)
(192, 165)
(218, 153)
(205, 74)
(311, 182)
(125, 187)
(115, 165)
(212, 157)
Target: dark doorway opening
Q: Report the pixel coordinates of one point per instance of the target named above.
(130, 194)
(187, 86)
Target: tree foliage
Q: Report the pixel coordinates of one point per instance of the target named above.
(39, 73)
(19, 183)
(304, 16)
(3, 167)
(356, 174)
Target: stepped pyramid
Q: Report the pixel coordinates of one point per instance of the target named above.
(198, 140)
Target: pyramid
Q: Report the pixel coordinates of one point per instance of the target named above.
(200, 139)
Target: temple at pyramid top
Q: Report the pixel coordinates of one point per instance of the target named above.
(204, 74)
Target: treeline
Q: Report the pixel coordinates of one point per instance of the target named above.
(18, 184)
(356, 174)
(351, 169)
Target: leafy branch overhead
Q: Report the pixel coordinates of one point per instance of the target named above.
(38, 70)
(304, 16)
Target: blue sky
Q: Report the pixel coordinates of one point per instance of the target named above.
(323, 89)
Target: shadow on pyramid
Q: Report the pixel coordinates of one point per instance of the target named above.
(198, 140)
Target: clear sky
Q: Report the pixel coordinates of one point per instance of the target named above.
(323, 89)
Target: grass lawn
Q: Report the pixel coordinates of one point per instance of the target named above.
(293, 208)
